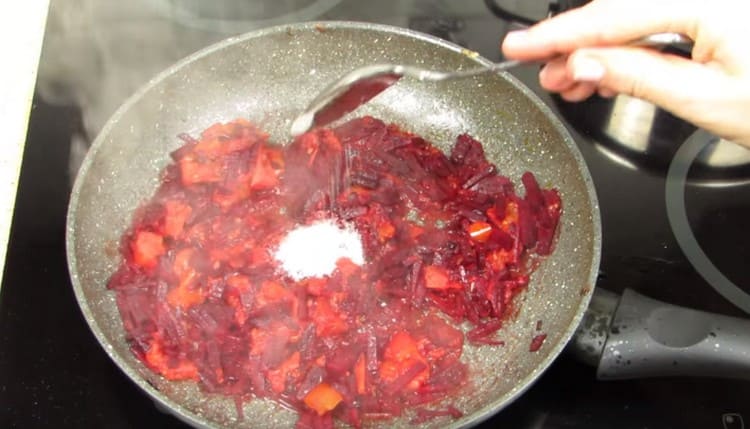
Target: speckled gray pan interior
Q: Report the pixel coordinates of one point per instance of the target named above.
(269, 75)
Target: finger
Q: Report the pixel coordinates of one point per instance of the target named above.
(606, 92)
(554, 76)
(641, 73)
(579, 92)
(685, 88)
(602, 23)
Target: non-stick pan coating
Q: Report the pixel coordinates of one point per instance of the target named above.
(269, 75)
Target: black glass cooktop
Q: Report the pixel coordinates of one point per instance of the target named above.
(53, 373)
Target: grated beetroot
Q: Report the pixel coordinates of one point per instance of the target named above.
(536, 342)
(446, 240)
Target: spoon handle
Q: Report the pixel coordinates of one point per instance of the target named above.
(654, 41)
(434, 76)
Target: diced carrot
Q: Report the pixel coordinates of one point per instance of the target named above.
(226, 199)
(389, 370)
(360, 374)
(258, 340)
(347, 267)
(181, 266)
(239, 282)
(493, 216)
(155, 357)
(401, 347)
(290, 367)
(238, 257)
(511, 216)
(185, 294)
(259, 255)
(218, 130)
(210, 147)
(499, 259)
(214, 147)
(264, 175)
(157, 360)
(233, 299)
(185, 297)
(310, 144)
(480, 231)
(272, 292)
(314, 285)
(235, 135)
(323, 398)
(177, 214)
(197, 233)
(415, 231)
(386, 231)
(235, 255)
(276, 157)
(193, 171)
(401, 354)
(147, 247)
(437, 278)
(185, 370)
(327, 320)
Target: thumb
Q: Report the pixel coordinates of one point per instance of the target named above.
(681, 86)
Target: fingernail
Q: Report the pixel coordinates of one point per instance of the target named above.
(516, 38)
(587, 69)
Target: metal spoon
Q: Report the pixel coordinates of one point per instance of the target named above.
(362, 84)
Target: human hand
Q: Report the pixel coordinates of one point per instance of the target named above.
(711, 90)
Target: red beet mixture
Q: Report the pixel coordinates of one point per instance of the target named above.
(446, 240)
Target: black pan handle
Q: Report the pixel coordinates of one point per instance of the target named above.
(650, 338)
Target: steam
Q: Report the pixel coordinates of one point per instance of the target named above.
(97, 53)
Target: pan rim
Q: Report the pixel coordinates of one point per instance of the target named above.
(195, 419)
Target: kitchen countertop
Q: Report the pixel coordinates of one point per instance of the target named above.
(21, 35)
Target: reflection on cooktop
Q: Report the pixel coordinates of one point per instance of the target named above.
(677, 214)
(639, 135)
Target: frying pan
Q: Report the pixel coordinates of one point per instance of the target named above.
(268, 76)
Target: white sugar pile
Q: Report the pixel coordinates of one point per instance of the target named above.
(312, 250)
